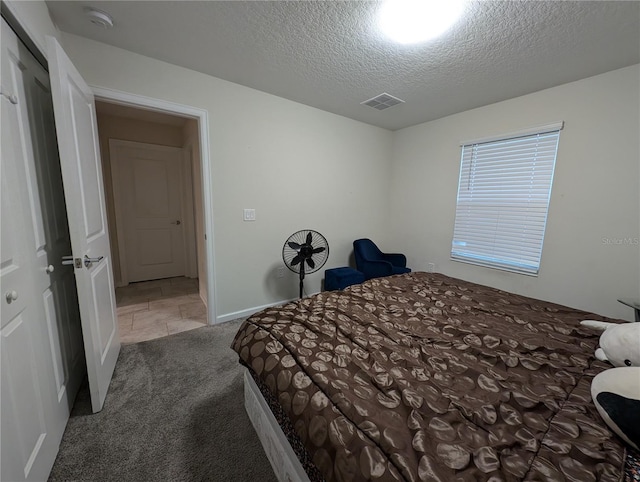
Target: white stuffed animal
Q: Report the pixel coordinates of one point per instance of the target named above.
(616, 392)
(619, 342)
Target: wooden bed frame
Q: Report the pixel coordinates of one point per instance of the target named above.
(283, 459)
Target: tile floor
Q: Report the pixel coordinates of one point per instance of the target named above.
(153, 309)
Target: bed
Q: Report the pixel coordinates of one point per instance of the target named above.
(423, 377)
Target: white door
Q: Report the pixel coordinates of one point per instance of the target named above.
(147, 181)
(55, 283)
(40, 341)
(82, 177)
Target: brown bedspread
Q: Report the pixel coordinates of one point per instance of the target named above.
(426, 377)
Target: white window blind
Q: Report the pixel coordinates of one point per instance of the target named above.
(503, 200)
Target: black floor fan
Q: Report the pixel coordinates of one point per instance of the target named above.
(304, 252)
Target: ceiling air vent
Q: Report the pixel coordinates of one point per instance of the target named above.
(383, 101)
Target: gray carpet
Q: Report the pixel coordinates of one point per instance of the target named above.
(174, 412)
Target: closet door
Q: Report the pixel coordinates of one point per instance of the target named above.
(35, 393)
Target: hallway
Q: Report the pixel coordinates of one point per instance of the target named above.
(153, 309)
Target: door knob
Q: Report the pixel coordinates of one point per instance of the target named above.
(88, 261)
(49, 269)
(77, 262)
(176, 222)
(11, 296)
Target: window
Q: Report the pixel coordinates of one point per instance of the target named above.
(503, 200)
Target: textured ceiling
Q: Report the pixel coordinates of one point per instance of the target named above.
(329, 54)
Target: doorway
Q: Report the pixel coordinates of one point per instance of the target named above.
(152, 174)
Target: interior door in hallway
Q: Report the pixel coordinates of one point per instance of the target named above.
(148, 198)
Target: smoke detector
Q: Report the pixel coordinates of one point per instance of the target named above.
(383, 101)
(98, 17)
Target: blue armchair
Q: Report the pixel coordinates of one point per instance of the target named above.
(373, 263)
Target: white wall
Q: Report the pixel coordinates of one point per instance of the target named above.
(595, 191)
(299, 167)
(258, 142)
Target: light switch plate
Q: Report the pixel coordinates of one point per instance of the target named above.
(249, 215)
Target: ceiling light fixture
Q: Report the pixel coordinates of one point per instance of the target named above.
(98, 17)
(414, 21)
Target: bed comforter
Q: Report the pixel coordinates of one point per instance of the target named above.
(422, 377)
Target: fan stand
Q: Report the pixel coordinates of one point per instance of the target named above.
(301, 278)
(302, 248)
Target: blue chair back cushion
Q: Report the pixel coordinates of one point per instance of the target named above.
(373, 263)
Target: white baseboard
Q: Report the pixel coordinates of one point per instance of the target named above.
(250, 311)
